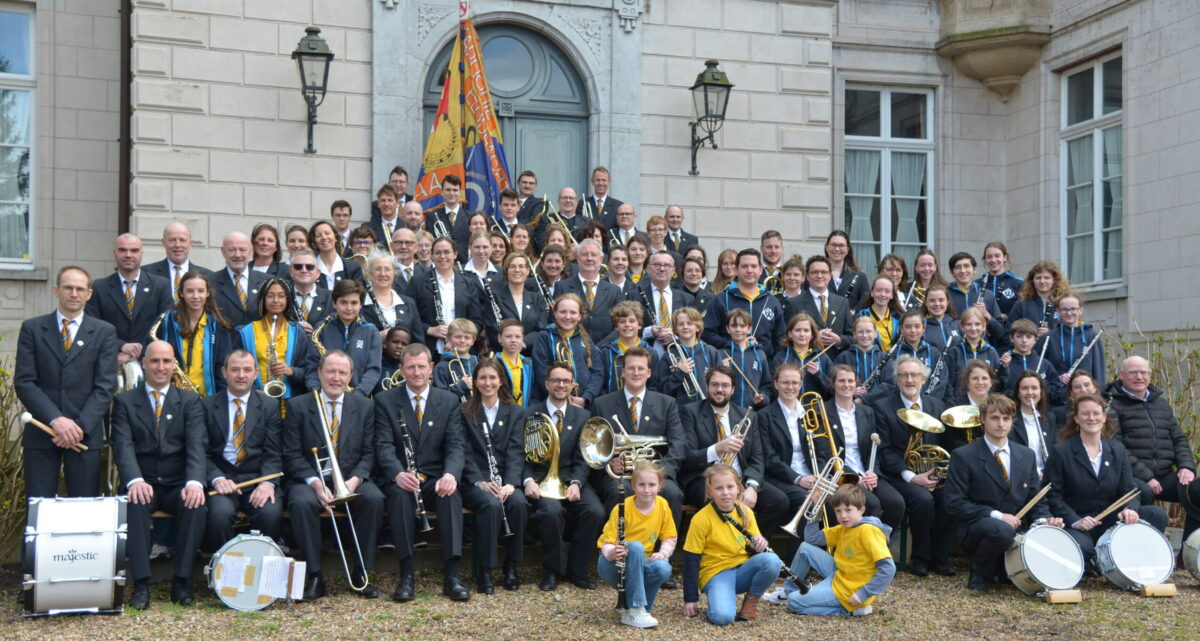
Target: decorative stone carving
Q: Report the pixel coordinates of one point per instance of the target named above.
(429, 16)
(389, 4)
(629, 11)
(591, 32)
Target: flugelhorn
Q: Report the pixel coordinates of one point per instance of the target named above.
(341, 496)
(691, 384)
(542, 447)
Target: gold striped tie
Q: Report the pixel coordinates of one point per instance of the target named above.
(589, 292)
(130, 289)
(721, 429)
(419, 409)
(824, 310)
(558, 420)
(241, 289)
(664, 315)
(66, 335)
(1000, 462)
(334, 427)
(157, 404)
(178, 278)
(304, 308)
(239, 431)
(633, 412)
(407, 274)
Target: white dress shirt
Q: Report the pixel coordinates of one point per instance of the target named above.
(1004, 454)
(73, 327)
(1033, 436)
(799, 463)
(851, 456)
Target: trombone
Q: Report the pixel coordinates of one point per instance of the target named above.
(816, 425)
(341, 496)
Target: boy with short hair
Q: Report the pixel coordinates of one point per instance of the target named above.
(750, 358)
(858, 568)
(1024, 336)
(627, 321)
(518, 368)
(461, 335)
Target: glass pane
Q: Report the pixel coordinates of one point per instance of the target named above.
(1079, 161)
(1079, 97)
(1114, 204)
(14, 42)
(908, 115)
(14, 173)
(14, 231)
(1112, 85)
(908, 222)
(558, 85)
(1079, 259)
(1079, 210)
(863, 225)
(862, 113)
(862, 172)
(1112, 152)
(509, 64)
(14, 117)
(1112, 255)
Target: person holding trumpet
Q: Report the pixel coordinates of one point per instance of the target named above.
(683, 380)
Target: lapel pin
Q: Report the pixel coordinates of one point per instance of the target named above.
(169, 417)
(147, 290)
(500, 424)
(1106, 464)
(254, 291)
(79, 343)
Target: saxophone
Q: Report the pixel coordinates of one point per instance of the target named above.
(179, 378)
(274, 386)
(316, 335)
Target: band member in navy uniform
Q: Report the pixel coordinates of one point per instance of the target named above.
(1004, 285)
(131, 298)
(848, 279)
(345, 330)
(965, 292)
(1069, 341)
(747, 294)
(1039, 297)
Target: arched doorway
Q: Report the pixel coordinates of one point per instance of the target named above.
(540, 101)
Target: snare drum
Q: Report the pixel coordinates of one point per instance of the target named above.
(1191, 554)
(75, 555)
(1135, 555)
(1044, 558)
(253, 547)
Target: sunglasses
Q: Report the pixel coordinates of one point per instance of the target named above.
(303, 267)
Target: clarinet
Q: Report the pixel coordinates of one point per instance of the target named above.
(1047, 310)
(494, 471)
(879, 368)
(646, 302)
(439, 317)
(908, 298)
(379, 308)
(492, 299)
(410, 457)
(620, 563)
(784, 569)
(936, 377)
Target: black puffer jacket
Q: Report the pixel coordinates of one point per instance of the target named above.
(1150, 432)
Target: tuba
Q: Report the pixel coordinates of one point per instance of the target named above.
(920, 456)
(542, 447)
(273, 386)
(599, 443)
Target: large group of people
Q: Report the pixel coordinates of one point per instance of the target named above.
(418, 345)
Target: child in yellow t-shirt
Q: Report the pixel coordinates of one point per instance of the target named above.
(857, 568)
(716, 559)
(647, 522)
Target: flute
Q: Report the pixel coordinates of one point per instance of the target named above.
(1082, 355)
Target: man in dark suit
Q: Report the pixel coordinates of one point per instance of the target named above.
(581, 502)
(659, 300)
(398, 179)
(597, 318)
(624, 224)
(244, 443)
(425, 419)
(568, 210)
(713, 435)
(158, 442)
(409, 272)
(645, 413)
(313, 303)
(990, 481)
(65, 374)
(530, 205)
(831, 311)
(677, 238)
(603, 207)
(451, 216)
(330, 415)
(509, 211)
(924, 498)
(237, 285)
(389, 219)
(131, 299)
(177, 241)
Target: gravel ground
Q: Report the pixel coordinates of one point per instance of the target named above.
(927, 608)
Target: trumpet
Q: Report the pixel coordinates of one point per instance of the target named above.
(741, 429)
(691, 385)
(274, 386)
(341, 496)
(773, 284)
(391, 382)
(542, 447)
(828, 481)
(816, 425)
(457, 377)
(439, 228)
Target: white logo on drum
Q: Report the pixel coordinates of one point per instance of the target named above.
(72, 556)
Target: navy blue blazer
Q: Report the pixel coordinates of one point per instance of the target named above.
(152, 298)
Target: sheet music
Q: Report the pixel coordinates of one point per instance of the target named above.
(233, 570)
(298, 574)
(274, 577)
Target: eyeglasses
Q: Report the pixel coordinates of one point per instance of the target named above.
(1139, 373)
(404, 242)
(1068, 310)
(303, 267)
(559, 381)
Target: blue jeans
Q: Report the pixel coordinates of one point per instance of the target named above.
(820, 598)
(642, 577)
(755, 575)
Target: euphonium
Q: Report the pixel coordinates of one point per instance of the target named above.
(274, 386)
(542, 447)
(919, 456)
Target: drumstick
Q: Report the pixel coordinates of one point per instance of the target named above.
(1117, 504)
(256, 481)
(28, 418)
(741, 373)
(874, 451)
(1032, 502)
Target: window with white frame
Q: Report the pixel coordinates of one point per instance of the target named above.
(17, 83)
(1092, 163)
(889, 171)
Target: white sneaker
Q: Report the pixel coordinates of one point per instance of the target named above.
(638, 618)
(866, 610)
(159, 551)
(778, 596)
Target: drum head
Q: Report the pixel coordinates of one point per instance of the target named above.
(1141, 553)
(74, 552)
(1053, 557)
(1191, 554)
(246, 596)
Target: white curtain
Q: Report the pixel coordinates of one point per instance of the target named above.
(1114, 201)
(862, 177)
(908, 177)
(1079, 208)
(14, 117)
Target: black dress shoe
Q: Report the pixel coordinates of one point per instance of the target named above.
(181, 591)
(942, 569)
(455, 590)
(511, 580)
(584, 583)
(314, 587)
(483, 584)
(549, 582)
(669, 584)
(404, 589)
(140, 599)
(369, 592)
(977, 582)
(918, 567)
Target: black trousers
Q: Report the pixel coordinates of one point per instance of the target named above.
(305, 509)
(1172, 490)
(770, 511)
(187, 540)
(489, 526)
(223, 510)
(401, 506)
(80, 469)
(986, 540)
(1152, 514)
(588, 517)
(931, 525)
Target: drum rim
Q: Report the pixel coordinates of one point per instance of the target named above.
(1055, 532)
(252, 537)
(1104, 550)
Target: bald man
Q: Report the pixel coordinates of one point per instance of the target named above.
(568, 208)
(177, 242)
(237, 285)
(130, 299)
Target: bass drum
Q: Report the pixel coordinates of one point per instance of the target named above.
(1044, 558)
(75, 556)
(1191, 554)
(1133, 555)
(253, 547)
